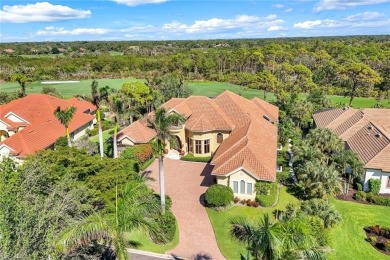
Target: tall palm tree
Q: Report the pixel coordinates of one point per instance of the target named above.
(262, 239)
(22, 80)
(161, 123)
(98, 95)
(135, 209)
(65, 116)
(116, 108)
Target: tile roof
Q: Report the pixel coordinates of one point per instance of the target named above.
(253, 139)
(366, 132)
(42, 128)
(138, 132)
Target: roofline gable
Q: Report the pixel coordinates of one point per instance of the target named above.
(15, 115)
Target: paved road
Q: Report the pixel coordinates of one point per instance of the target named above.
(185, 183)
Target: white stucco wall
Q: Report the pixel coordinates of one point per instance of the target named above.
(377, 174)
(14, 118)
(238, 176)
(126, 141)
(3, 126)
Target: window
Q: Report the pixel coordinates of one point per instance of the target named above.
(190, 145)
(388, 182)
(206, 146)
(242, 187)
(198, 146)
(219, 138)
(249, 188)
(235, 186)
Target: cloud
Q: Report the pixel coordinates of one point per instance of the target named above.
(360, 20)
(323, 5)
(53, 31)
(139, 2)
(241, 22)
(289, 10)
(40, 12)
(278, 5)
(276, 28)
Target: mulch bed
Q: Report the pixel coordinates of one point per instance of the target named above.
(376, 240)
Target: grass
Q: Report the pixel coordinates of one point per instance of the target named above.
(106, 135)
(141, 237)
(204, 88)
(348, 238)
(191, 158)
(229, 247)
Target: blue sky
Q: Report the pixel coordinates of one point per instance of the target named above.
(175, 19)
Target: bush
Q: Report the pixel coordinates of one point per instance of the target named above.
(359, 186)
(139, 152)
(191, 158)
(323, 210)
(263, 188)
(267, 200)
(219, 195)
(387, 245)
(61, 142)
(374, 185)
(92, 132)
(284, 176)
(360, 196)
(166, 223)
(377, 199)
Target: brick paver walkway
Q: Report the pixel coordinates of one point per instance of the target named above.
(185, 182)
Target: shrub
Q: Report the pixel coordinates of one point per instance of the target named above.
(167, 224)
(263, 188)
(387, 245)
(168, 201)
(140, 152)
(236, 200)
(61, 142)
(359, 186)
(284, 176)
(191, 158)
(377, 199)
(92, 132)
(255, 204)
(267, 200)
(374, 185)
(323, 210)
(219, 195)
(360, 196)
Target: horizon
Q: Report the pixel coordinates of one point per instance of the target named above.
(167, 20)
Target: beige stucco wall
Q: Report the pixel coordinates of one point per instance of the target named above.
(238, 176)
(81, 131)
(212, 136)
(126, 141)
(3, 126)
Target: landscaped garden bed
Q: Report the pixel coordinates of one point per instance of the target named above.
(379, 237)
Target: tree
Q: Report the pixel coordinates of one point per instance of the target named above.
(325, 140)
(98, 95)
(161, 123)
(135, 209)
(140, 94)
(301, 111)
(358, 75)
(65, 116)
(22, 80)
(267, 82)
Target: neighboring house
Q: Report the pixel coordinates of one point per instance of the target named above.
(367, 133)
(240, 134)
(28, 124)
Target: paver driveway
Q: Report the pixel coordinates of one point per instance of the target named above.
(185, 182)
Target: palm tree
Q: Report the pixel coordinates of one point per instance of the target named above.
(116, 108)
(98, 95)
(135, 209)
(161, 123)
(349, 165)
(22, 80)
(262, 239)
(325, 140)
(65, 116)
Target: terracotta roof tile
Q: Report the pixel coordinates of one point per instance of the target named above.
(42, 127)
(138, 132)
(324, 117)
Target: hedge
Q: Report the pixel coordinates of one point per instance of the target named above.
(372, 198)
(219, 195)
(266, 200)
(374, 185)
(191, 158)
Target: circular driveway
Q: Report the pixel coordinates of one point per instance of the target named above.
(185, 182)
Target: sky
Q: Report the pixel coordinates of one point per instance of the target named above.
(71, 20)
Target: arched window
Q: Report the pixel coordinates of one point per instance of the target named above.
(219, 138)
(242, 187)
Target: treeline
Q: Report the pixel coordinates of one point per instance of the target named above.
(338, 65)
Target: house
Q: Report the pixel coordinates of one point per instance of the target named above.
(28, 124)
(367, 133)
(239, 134)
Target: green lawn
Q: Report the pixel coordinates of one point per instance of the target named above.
(229, 247)
(347, 239)
(106, 135)
(141, 238)
(204, 88)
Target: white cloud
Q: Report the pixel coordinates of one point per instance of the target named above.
(278, 5)
(139, 2)
(40, 12)
(51, 30)
(344, 4)
(241, 22)
(360, 20)
(366, 16)
(289, 10)
(276, 28)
